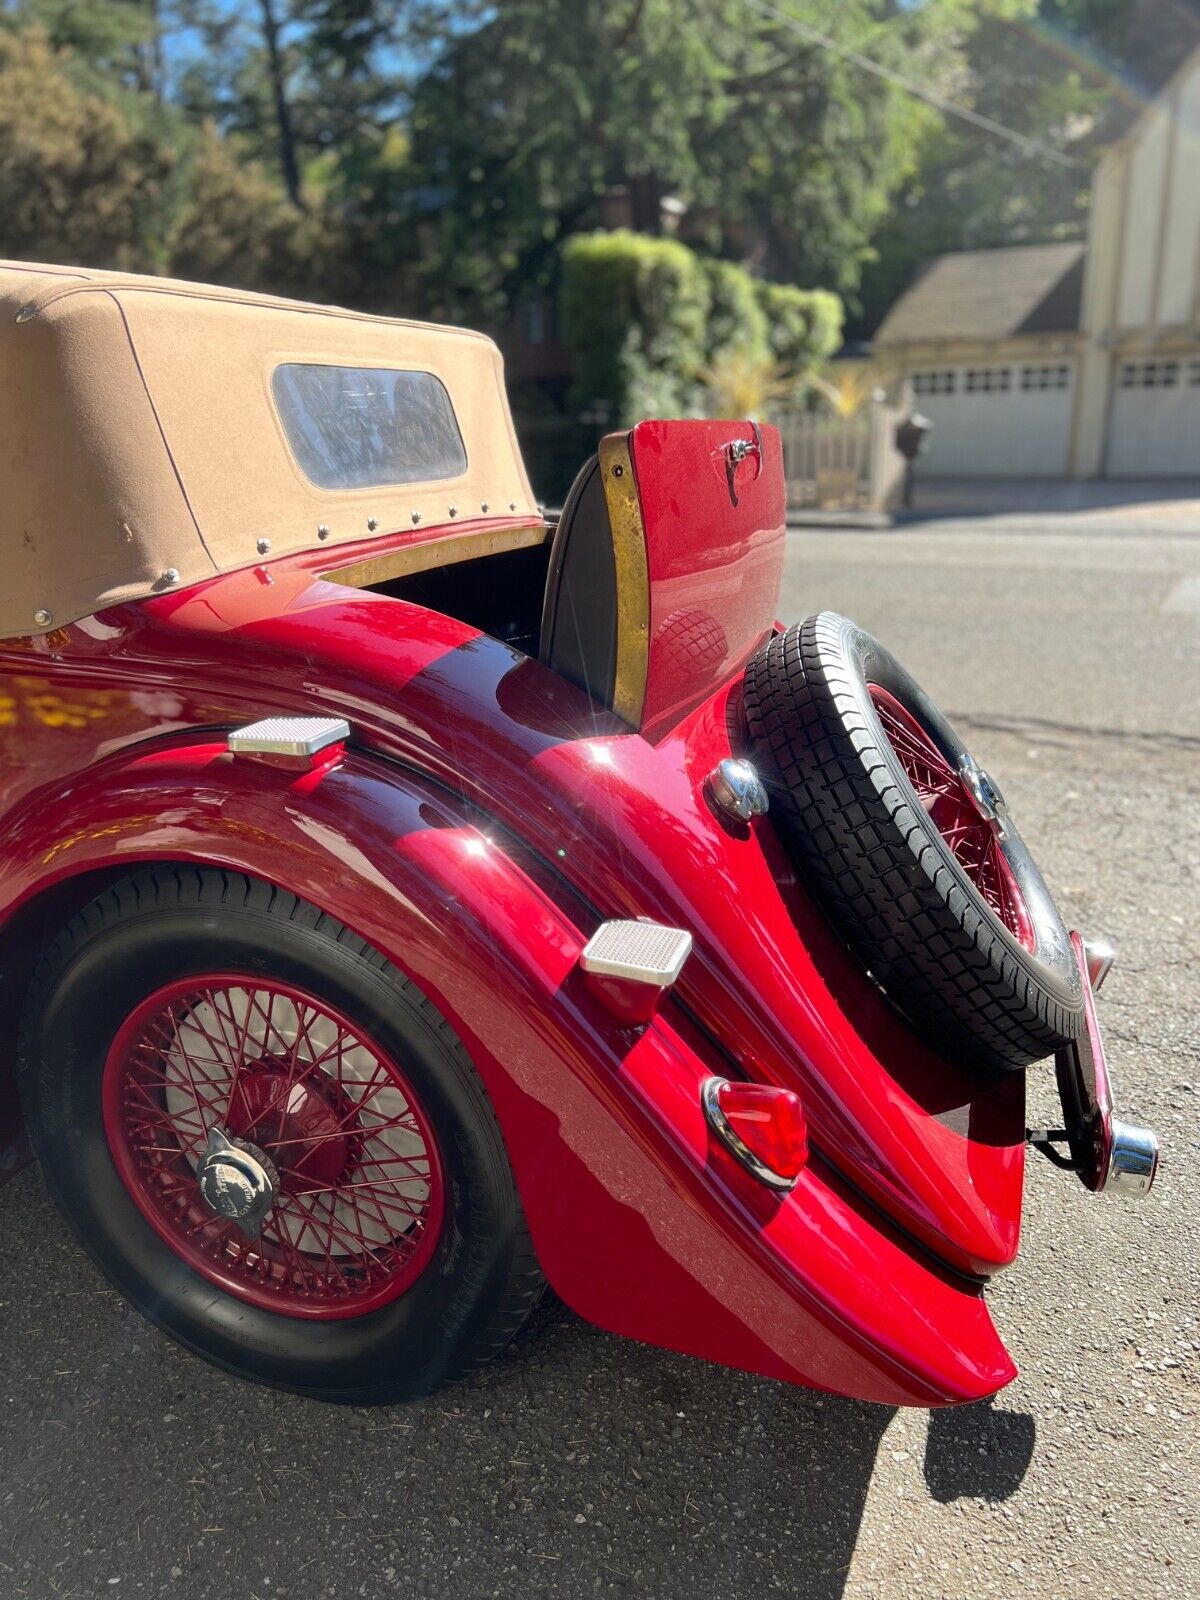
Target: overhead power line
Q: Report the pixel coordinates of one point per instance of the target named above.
(1031, 147)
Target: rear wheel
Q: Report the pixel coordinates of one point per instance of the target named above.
(271, 1142)
(909, 847)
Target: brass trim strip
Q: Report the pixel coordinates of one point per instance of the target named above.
(633, 578)
(442, 551)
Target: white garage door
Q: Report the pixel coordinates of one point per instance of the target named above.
(1001, 421)
(1154, 426)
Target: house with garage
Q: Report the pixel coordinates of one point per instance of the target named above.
(1078, 359)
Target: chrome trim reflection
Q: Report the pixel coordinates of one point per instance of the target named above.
(737, 789)
(1133, 1164)
(985, 792)
(1099, 956)
(238, 1181)
(721, 1126)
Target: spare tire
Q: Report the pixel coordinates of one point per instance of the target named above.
(908, 846)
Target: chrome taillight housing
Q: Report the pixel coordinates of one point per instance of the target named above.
(762, 1126)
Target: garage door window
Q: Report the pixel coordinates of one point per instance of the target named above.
(1047, 377)
(1149, 375)
(988, 380)
(942, 381)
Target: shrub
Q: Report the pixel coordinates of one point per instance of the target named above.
(804, 326)
(741, 384)
(736, 319)
(634, 312)
(659, 331)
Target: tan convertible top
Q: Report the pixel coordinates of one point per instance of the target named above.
(141, 446)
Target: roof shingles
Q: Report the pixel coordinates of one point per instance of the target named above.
(988, 295)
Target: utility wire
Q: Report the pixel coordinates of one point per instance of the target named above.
(1031, 147)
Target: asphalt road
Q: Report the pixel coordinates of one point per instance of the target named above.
(584, 1465)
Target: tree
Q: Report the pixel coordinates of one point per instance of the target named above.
(237, 227)
(277, 77)
(787, 155)
(78, 181)
(301, 82)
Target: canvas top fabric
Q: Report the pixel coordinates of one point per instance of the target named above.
(154, 433)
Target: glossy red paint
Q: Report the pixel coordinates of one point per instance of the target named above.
(628, 1000)
(485, 817)
(359, 1201)
(642, 1223)
(715, 529)
(626, 822)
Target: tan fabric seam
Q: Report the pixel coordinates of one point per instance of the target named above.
(264, 302)
(161, 430)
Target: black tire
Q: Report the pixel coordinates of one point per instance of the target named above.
(881, 869)
(163, 925)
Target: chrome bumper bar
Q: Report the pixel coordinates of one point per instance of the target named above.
(1105, 1152)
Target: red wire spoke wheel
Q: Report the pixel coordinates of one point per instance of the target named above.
(954, 809)
(357, 1194)
(271, 1141)
(908, 846)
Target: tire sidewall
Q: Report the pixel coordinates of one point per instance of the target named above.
(1051, 964)
(414, 1338)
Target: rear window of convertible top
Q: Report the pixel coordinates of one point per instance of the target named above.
(363, 427)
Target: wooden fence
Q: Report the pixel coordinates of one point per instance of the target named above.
(843, 462)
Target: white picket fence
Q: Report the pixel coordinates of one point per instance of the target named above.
(843, 462)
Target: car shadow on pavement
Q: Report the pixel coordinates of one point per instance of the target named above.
(702, 1481)
(977, 1452)
(577, 1464)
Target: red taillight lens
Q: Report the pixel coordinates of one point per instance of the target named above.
(763, 1126)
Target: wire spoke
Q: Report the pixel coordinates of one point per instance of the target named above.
(359, 1185)
(972, 838)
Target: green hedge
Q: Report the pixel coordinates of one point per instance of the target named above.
(737, 319)
(646, 317)
(634, 312)
(804, 326)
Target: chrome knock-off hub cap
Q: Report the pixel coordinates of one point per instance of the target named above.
(737, 789)
(984, 792)
(238, 1181)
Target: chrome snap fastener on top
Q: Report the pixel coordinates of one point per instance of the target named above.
(737, 789)
(238, 1181)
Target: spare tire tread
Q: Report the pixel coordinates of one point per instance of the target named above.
(867, 855)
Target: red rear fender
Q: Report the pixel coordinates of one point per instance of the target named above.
(627, 822)
(641, 1225)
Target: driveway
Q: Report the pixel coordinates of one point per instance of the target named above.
(1121, 502)
(583, 1465)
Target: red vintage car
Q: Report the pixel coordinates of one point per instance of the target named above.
(407, 901)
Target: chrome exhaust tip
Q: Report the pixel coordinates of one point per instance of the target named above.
(1133, 1163)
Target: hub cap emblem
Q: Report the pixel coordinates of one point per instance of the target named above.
(237, 1181)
